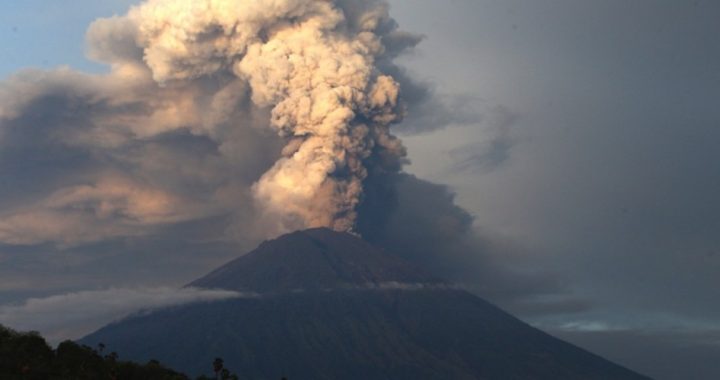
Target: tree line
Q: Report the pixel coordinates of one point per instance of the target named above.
(27, 356)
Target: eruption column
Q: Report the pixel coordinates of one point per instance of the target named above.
(313, 63)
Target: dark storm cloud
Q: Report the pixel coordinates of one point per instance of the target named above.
(108, 155)
(659, 354)
(428, 110)
(614, 160)
(420, 221)
(631, 154)
(613, 174)
(488, 154)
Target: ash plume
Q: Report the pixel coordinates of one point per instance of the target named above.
(264, 116)
(312, 64)
(230, 122)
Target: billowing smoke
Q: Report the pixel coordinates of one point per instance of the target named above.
(312, 63)
(238, 119)
(272, 115)
(219, 124)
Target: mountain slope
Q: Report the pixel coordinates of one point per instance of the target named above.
(314, 259)
(331, 306)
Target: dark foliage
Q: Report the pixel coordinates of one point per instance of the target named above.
(26, 356)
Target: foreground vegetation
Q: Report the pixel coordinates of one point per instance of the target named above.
(27, 356)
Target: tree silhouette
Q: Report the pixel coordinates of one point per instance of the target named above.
(218, 367)
(27, 356)
(221, 373)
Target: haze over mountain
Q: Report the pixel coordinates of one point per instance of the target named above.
(321, 304)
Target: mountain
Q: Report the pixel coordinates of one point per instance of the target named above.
(320, 304)
(313, 260)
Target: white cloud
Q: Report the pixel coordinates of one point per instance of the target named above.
(110, 208)
(72, 315)
(651, 323)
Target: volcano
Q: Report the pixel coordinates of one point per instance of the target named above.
(320, 304)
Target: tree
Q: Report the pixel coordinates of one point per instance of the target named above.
(221, 373)
(27, 356)
(218, 367)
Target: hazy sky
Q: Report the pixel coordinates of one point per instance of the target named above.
(589, 151)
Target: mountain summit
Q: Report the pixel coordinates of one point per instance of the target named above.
(327, 305)
(314, 259)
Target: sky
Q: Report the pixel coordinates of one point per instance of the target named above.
(579, 136)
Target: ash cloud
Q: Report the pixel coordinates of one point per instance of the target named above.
(274, 114)
(420, 221)
(105, 150)
(312, 65)
(238, 119)
(487, 155)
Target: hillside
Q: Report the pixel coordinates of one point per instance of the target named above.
(327, 305)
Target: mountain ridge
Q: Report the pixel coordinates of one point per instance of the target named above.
(331, 306)
(313, 259)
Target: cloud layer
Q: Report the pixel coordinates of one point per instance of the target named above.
(72, 315)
